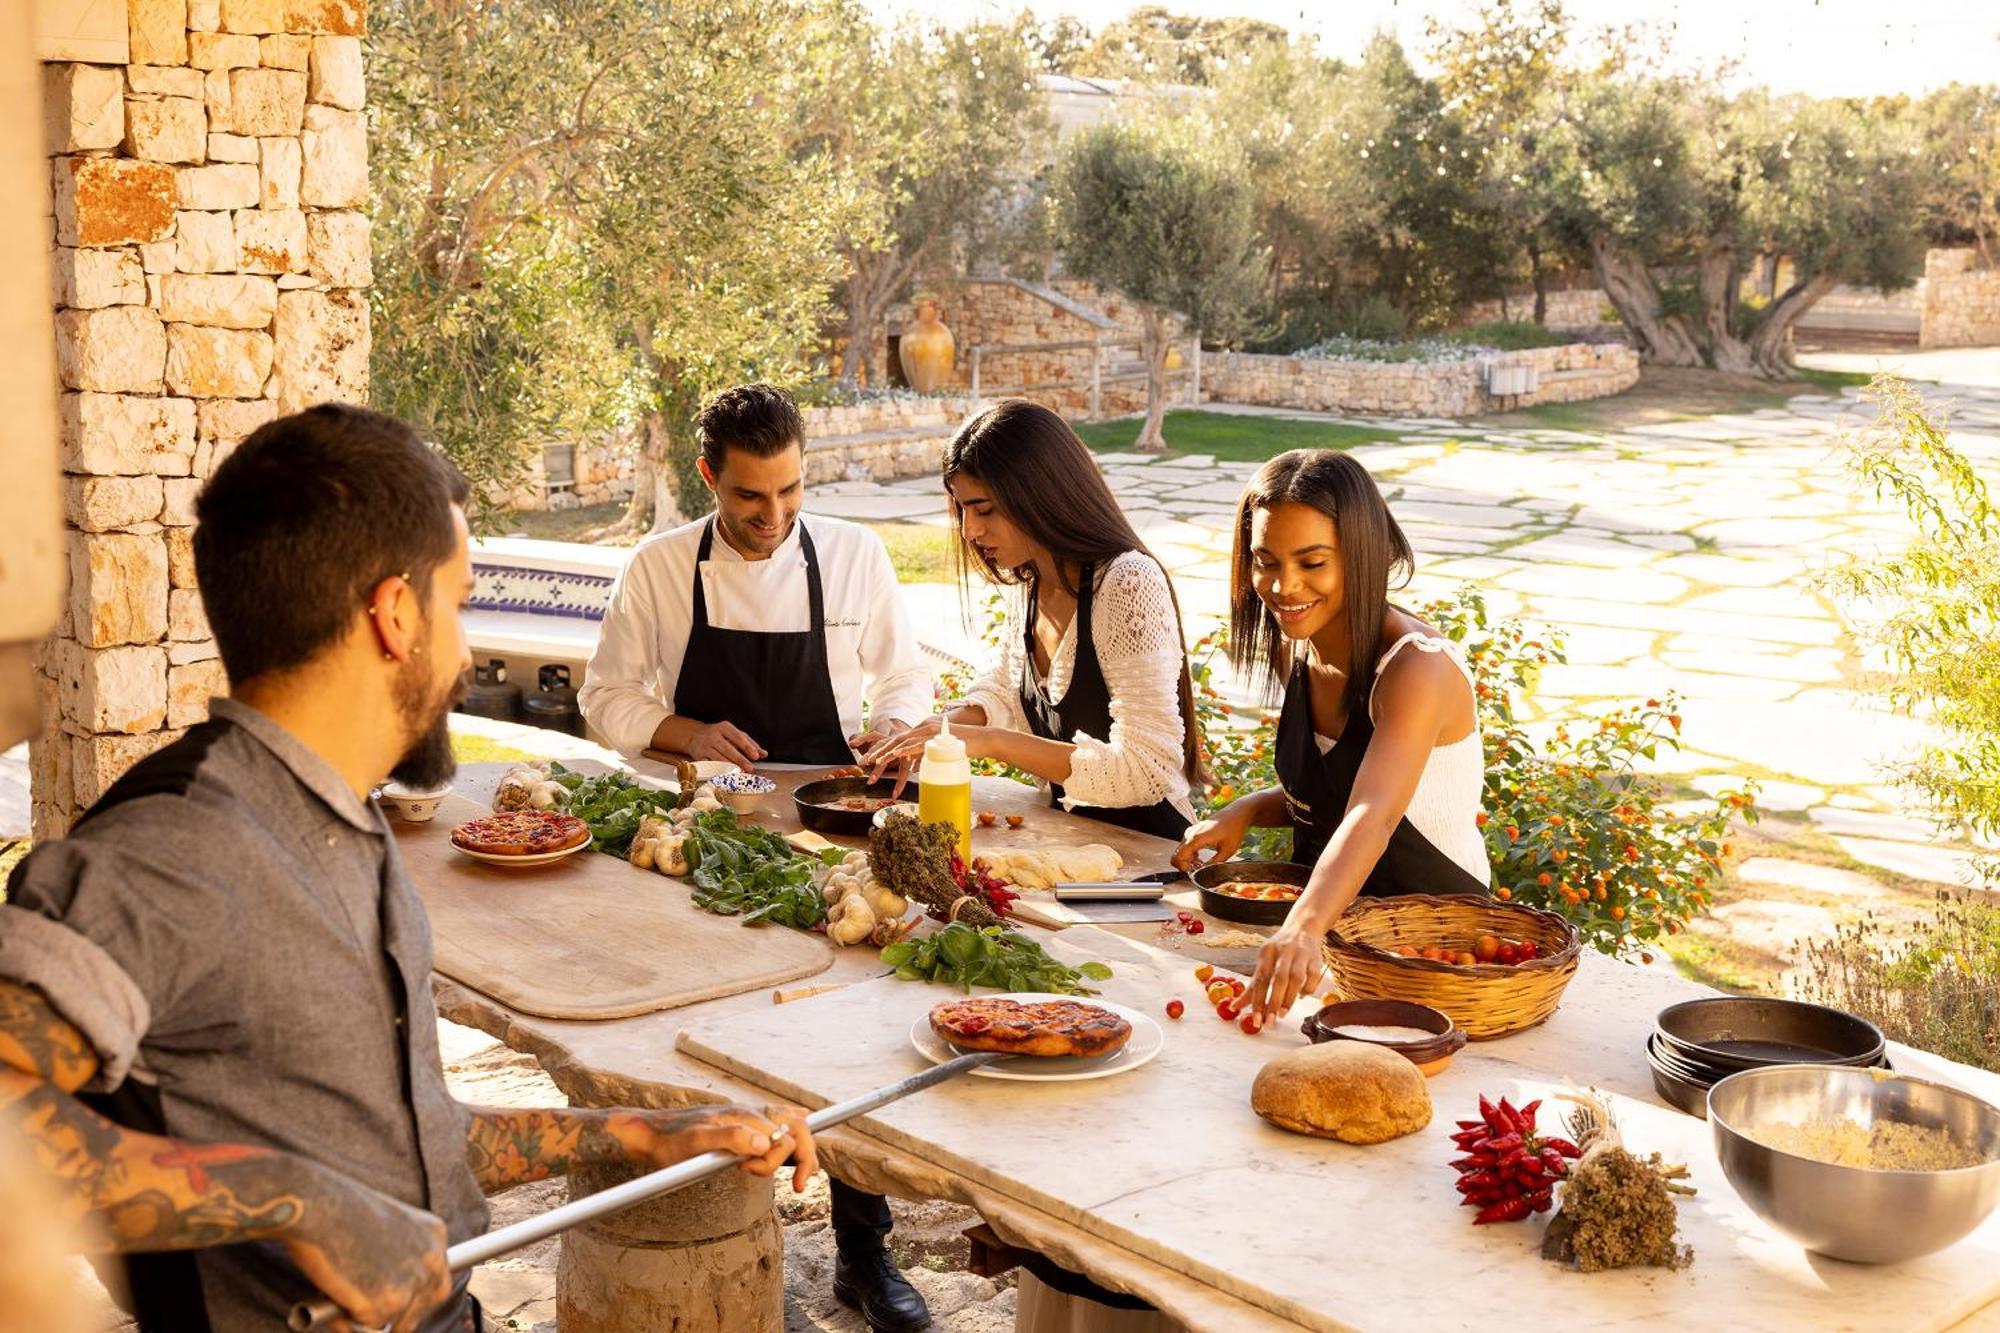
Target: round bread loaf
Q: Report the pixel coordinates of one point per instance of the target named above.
(1346, 1090)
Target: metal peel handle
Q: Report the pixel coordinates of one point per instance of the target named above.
(314, 1314)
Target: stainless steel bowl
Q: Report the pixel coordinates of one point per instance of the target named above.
(1849, 1212)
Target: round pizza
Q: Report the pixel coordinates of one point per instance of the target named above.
(521, 833)
(1030, 1027)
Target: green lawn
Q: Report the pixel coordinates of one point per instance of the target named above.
(1232, 438)
(1834, 379)
(921, 552)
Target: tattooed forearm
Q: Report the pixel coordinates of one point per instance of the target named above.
(153, 1193)
(510, 1147)
(37, 1040)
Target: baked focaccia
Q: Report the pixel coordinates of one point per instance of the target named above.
(1037, 1027)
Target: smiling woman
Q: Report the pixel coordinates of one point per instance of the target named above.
(1378, 752)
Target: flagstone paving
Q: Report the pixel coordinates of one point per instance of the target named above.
(1677, 555)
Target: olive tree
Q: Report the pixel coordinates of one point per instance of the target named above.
(1158, 212)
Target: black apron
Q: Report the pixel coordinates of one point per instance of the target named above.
(1086, 708)
(1317, 789)
(776, 687)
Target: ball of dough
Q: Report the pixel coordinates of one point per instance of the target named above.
(1346, 1090)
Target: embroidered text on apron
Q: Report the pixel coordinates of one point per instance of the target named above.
(1317, 788)
(1086, 708)
(775, 686)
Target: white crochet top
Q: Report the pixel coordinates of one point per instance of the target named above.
(1138, 643)
(1446, 803)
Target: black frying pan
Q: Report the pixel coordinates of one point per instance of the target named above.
(1250, 911)
(1748, 1032)
(823, 818)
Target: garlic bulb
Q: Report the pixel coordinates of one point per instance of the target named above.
(850, 922)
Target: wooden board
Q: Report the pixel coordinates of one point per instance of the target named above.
(589, 936)
(1168, 1162)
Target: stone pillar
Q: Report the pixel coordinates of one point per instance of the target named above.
(705, 1259)
(209, 255)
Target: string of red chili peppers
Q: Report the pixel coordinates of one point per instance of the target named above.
(1508, 1170)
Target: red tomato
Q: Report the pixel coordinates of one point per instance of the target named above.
(1175, 1008)
(1250, 1024)
(1227, 1011)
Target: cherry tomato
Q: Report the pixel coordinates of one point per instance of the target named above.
(1250, 1024)
(986, 818)
(1195, 927)
(1227, 1010)
(1218, 990)
(1015, 821)
(1175, 1008)
(1486, 948)
(1203, 973)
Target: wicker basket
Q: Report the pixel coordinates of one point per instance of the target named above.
(1486, 999)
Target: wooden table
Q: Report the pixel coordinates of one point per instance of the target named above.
(636, 1061)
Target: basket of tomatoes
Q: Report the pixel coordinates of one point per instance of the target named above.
(1495, 967)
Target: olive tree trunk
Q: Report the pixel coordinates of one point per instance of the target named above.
(1716, 281)
(1771, 342)
(1662, 339)
(1153, 347)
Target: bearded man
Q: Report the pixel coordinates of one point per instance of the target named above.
(215, 1018)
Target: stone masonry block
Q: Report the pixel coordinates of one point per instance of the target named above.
(118, 588)
(200, 650)
(187, 622)
(158, 256)
(266, 101)
(225, 185)
(207, 242)
(232, 148)
(222, 50)
(158, 30)
(286, 51)
(118, 349)
(322, 349)
(217, 363)
(258, 16)
(105, 201)
(226, 422)
(271, 241)
(215, 96)
(204, 15)
(180, 557)
(89, 279)
(101, 760)
(221, 300)
(336, 158)
(281, 162)
(163, 81)
(120, 689)
(190, 687)
(177, 497)
(99, 504)
(337, 250)
(336, 72)
(83, 106)
(171, 129)
(114, 435)
(348, 18)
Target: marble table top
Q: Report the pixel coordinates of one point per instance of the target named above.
(1170, 1163)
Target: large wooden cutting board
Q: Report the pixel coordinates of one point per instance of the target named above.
(588, 936)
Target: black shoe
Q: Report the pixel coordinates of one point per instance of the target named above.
(871, 1284)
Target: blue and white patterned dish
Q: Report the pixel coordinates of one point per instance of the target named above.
(742, 784)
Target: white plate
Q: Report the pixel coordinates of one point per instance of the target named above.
(1146, 1042)
(538, 859)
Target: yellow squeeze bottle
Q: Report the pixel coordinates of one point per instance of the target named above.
(944, 787)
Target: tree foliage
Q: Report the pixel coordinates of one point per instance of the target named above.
(1156, 211)
(589, 210)
(1152, 44)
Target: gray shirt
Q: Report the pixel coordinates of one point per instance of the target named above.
(233, 931)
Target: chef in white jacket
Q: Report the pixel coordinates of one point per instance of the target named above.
(753, 634)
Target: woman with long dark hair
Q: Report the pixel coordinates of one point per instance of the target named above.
(1378, 754)
(1090, 690)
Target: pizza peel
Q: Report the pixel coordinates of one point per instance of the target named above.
(471, 1253)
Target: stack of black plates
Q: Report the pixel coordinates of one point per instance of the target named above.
(1697, 1044)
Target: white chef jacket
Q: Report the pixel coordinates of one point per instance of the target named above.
(871, 649)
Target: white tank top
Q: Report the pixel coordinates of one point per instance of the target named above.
(1446, 803)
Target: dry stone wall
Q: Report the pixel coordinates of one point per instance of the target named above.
(209, 257)
(1567, 374)
(1961, 301)
(1565, 309)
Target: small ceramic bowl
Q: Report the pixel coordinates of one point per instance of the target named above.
(881, 817)
(412, 806)
(743, 792)
(1430, 1054)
